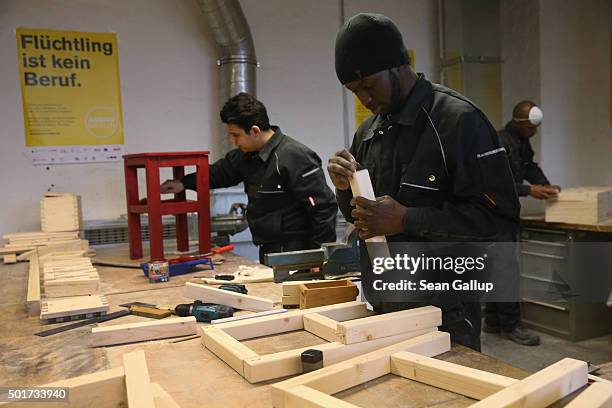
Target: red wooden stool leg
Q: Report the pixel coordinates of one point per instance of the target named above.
(156, 241)
(203, 205)
(182, 229)
(131, 195)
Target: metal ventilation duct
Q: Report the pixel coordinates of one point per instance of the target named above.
(237, 60)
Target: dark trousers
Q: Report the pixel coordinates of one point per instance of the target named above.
(505, 315)
(285, 246)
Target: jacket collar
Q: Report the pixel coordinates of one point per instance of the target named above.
(271, 144)
(418, 97)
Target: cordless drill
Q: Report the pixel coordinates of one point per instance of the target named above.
(203, 312)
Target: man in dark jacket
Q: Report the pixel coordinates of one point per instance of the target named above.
(290, 207)
(505, 318)
(514, 137)
(434, 159)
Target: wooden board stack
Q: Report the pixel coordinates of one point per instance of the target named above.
(18, 243)
(582, 205)
(73, 308)
(60, 212)
(69, 277)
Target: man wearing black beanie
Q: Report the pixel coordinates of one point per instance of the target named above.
(435, 162)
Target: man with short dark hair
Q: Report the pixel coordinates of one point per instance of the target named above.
(290, 205)
(434, 160)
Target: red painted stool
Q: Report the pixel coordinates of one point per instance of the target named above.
(156, 208)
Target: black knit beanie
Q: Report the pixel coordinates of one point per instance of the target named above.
(366, 44)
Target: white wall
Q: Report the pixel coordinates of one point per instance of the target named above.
(168, 83)
(167, 89)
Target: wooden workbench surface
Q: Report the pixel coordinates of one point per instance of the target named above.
(189, 372)
(538, 221)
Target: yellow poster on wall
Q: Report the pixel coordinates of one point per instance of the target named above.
(361, 112)
(71, 96)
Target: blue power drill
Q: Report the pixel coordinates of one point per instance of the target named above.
(203, 312)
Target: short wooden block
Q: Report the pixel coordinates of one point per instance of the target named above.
(327, 293)
(137, 383)
(72, 306)
(10, 259)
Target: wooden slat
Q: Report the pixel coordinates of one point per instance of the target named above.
(143, 331)
(33, 296)
(72, 306)
(388, 324)
(596, 395)
(306, 397)
(226, 347)
(459, 379)
(137, 383)
(542, 388)
(321, 326)
(225, 297)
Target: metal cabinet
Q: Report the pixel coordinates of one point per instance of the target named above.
(555, 261)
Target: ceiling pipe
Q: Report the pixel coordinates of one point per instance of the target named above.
(237, 61)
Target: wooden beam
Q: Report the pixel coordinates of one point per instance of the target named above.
(137, 383)
(33, 296)
(459, 379)
(358, 370)
(248, 316)
(226, 347)
(321, 326)
(306, 397)
(596, 395)
(389, 324)
(162, 398)
(102, 389)
(542, 388)
(224, 297)
(143, 331)
(25, 256)
(290, 321)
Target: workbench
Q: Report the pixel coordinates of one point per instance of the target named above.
(570, 258)
(186, 370)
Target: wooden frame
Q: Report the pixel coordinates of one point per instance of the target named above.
(224, 297)
(538, 390)
(317, 294)
(224, 339)
(143, 331)
(113, 388)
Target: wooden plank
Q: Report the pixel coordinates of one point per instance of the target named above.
(282, 364)
(227, 348)
(542, 388)
(161, 398)
(143, 331)
(290, 321)
(137, 383)
(388, 324)
(358, 370)
(98, 390)
(26, 255)
(291, 300)
(10, 259)
(321, 326)
(361, 185)
(33, 296)
(14, 249)
(596, 395)
(236, 300)
(459, 379)
(327, 293)
(248, 316)
(306, 397)
(65, 246)
(72, 306)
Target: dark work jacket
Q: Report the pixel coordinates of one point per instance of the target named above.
(440, 157)
(520, 155)
(288, 196)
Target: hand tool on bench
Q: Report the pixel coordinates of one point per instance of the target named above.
(333, 260)
(187, 264)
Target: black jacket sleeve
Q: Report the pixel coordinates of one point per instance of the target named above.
(222, 173)
(535, 175)
(310, 189)
(484, 206)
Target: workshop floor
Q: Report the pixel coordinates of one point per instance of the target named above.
(551, 349)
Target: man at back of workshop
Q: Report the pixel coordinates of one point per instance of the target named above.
(434, 159)
(290, 207)
(505, 318)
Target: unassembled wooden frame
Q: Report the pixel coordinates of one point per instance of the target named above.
(349, 327)
(541, 389)
(118, 387)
